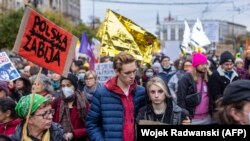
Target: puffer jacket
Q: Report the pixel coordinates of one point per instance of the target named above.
(105, 120)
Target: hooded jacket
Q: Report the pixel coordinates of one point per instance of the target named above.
(9, 128)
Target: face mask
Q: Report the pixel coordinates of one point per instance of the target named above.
(167, 67)
(248, 123)
(214, 59)
(67, 91)
(248, 114)
(149, 74)
(55, 84)
(81, 76)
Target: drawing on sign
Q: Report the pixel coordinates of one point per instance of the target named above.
(7, 70)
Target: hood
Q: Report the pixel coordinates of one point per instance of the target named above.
(13, 122)
(112, 86)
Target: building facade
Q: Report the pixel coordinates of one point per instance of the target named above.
(69, 8)
(216, 30)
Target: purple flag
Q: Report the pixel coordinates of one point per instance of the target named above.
(85, 48)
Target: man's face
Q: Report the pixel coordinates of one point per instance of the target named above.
(227, 66)
(202, 68)
(165, 62)
(127, 74)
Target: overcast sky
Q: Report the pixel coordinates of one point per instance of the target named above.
(144, 15)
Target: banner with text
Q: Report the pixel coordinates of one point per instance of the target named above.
(104, 71)
(44, 43)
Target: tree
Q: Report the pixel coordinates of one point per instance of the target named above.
(10, 22)
(9, 26)
(58, 19)
(80, 28)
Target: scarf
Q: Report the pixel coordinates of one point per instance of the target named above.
(25, 137)
(229, 73)
(89, 92)
(64, 115)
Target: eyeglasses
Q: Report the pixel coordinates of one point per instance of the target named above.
(90, 78)
(130, 72)
(46, 114)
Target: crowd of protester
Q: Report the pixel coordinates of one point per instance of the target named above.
(192, 90)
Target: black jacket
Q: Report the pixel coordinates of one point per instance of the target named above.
(187, 86)
(56, 133)
(219, 81)
(174, 115)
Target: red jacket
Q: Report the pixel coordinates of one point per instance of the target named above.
(79, 130)
(9, 128)
(128, 105)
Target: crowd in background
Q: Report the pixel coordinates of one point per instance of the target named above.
(192, 90)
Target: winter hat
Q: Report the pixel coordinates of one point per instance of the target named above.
(236, 91)
(23, 104)
(163, 57)
(72, 78)
(238, 60)
(226, 57)
(198, 59)
(156, 65)
(4, 87)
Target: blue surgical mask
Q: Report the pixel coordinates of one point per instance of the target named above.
(55, 84)
(149, 74)
(68, 91)
(248, 123)
(81, 76)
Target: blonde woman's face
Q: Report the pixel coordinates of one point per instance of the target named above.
(156, 95)
(90, 81)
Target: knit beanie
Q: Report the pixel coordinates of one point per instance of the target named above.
(236, 91)
(238, 60)
(72, 78)
(4, 87)
(226, 57)
(198, 59)
(156, 64)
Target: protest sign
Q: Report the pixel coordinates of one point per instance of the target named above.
(7, 70)
(104, 71)
(44, 43)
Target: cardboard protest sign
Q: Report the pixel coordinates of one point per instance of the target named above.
(8, 71)
(104, 71)
(44, 43)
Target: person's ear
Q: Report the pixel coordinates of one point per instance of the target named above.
(116, 72)
(235, 114)
(8, 113)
